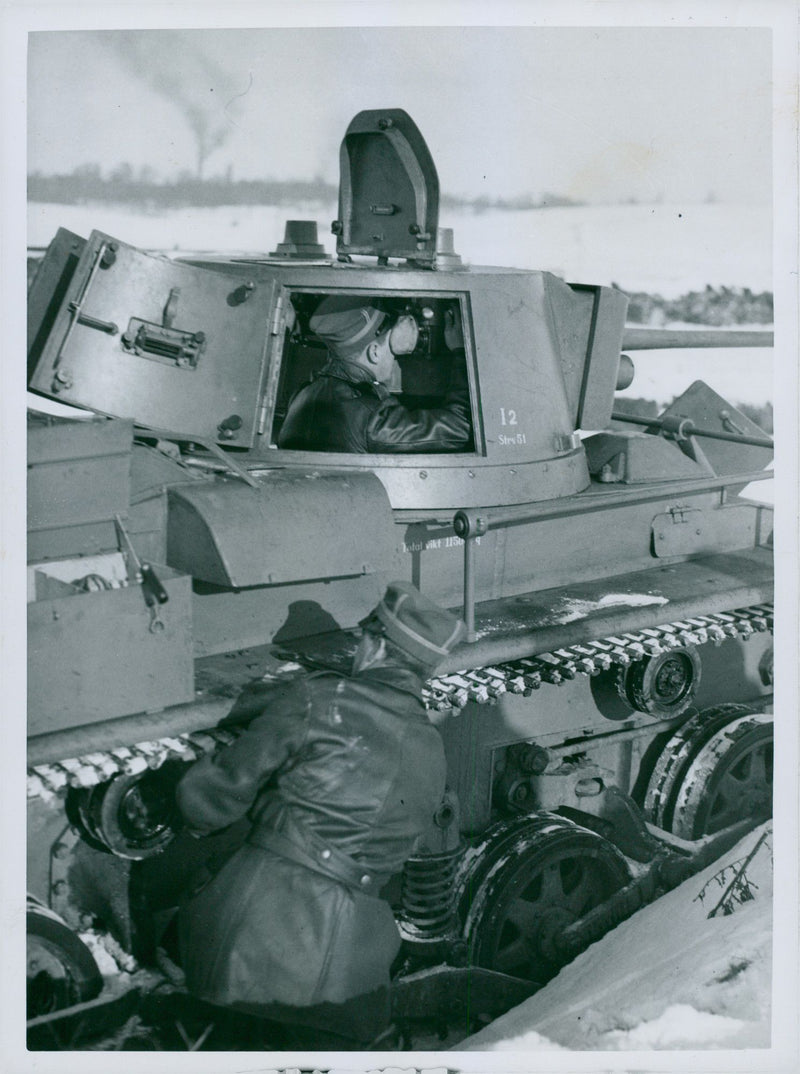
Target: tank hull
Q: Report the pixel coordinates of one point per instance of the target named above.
(607, 721)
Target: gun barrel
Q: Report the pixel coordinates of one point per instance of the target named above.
(635, 338)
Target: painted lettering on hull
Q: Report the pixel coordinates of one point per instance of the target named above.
(434, 542)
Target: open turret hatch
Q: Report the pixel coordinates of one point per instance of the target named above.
(388, 191)
(139, 336)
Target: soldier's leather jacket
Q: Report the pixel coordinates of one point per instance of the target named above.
(344, 409)
(338, 774)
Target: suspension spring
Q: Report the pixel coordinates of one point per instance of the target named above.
(428, 910)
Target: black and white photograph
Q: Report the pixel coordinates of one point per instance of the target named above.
(395, 495)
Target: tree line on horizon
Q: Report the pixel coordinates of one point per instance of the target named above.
(123, 184)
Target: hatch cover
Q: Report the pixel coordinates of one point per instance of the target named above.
(389, 189)
(171, 345)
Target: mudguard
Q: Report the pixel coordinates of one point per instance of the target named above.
(229, 534)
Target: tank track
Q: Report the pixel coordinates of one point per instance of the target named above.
(453, 691)
(591, 657)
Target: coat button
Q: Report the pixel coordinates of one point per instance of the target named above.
(325, 854)
(366, 880)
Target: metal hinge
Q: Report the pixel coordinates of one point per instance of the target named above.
(277, 317)
(679, 513)
(567, 441)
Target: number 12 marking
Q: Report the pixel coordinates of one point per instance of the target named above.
(508, 417)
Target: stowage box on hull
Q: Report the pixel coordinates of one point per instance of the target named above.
(101, 654)
(78, 479)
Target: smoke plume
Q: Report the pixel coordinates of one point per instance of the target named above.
(173, 63)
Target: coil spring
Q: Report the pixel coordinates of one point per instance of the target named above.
(428, 909)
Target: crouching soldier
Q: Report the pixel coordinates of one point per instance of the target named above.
(338, 776)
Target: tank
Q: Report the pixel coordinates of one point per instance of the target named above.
(607, 722)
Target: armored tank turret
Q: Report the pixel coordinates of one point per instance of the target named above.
(612, 703)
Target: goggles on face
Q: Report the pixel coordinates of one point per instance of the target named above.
(371, 624)
(403, 335)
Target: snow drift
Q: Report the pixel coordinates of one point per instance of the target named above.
(670, 977)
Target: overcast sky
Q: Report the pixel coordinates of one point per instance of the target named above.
(597, 114)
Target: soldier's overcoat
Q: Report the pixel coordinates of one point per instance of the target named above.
(338, 776)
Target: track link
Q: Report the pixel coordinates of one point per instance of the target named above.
(454, 691)
(592, 657)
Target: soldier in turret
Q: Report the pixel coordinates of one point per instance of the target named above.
(338, 775)
(348, 406)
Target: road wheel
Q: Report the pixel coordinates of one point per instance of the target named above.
(729, 780)
(61, 968)
(677, 756)
(536, 876)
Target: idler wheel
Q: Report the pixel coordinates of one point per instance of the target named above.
(662, 685)
(729, 780)
(542, 875)
(132, 816)
(61, 970)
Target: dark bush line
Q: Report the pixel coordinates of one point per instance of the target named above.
(87, 184)
(713, 306)
(79, 189)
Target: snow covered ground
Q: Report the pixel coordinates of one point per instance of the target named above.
(668, 978)
(670, 989)
(668, 249)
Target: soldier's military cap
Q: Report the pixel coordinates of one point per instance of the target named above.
(346, 323)
(416, 624)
